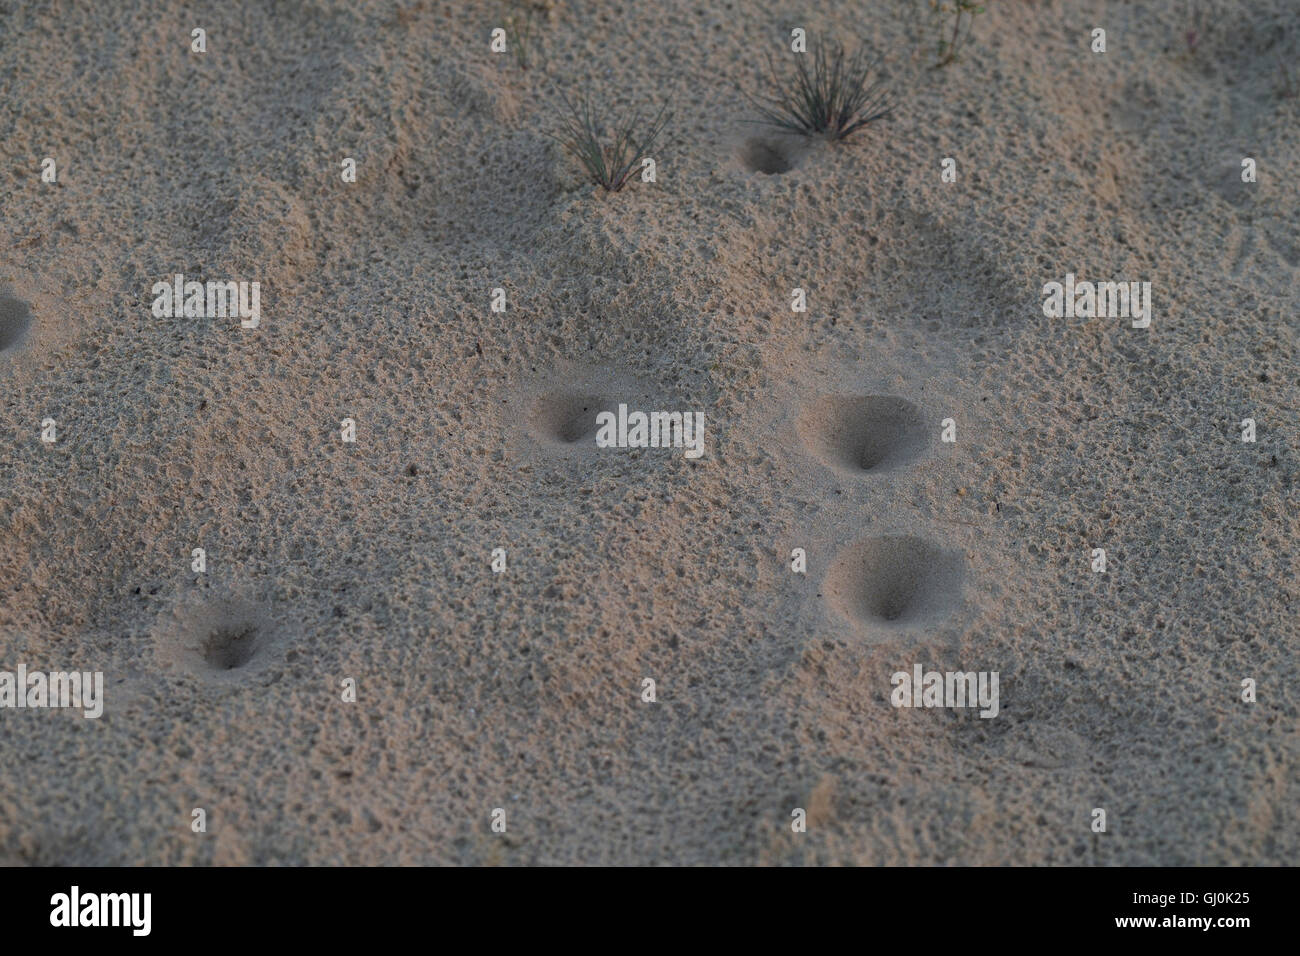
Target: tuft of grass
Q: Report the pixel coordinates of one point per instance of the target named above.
(950, 43)
(834, 98)
(610, 164)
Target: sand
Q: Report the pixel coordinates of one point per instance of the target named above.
(522, 690)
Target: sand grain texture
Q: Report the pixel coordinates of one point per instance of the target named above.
(522, 690)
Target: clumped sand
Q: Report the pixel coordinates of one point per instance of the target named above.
(521, 690)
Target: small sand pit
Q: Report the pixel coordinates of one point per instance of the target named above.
(769, 155)
(894, 581)
(15, 321)
(219, 638)
(862, 434)
(569, 417)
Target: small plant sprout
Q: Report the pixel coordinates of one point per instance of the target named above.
(609, 163)
(834, 98)
(962, 12)
(520, 29)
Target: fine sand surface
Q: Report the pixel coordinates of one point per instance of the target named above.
(475, 430)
